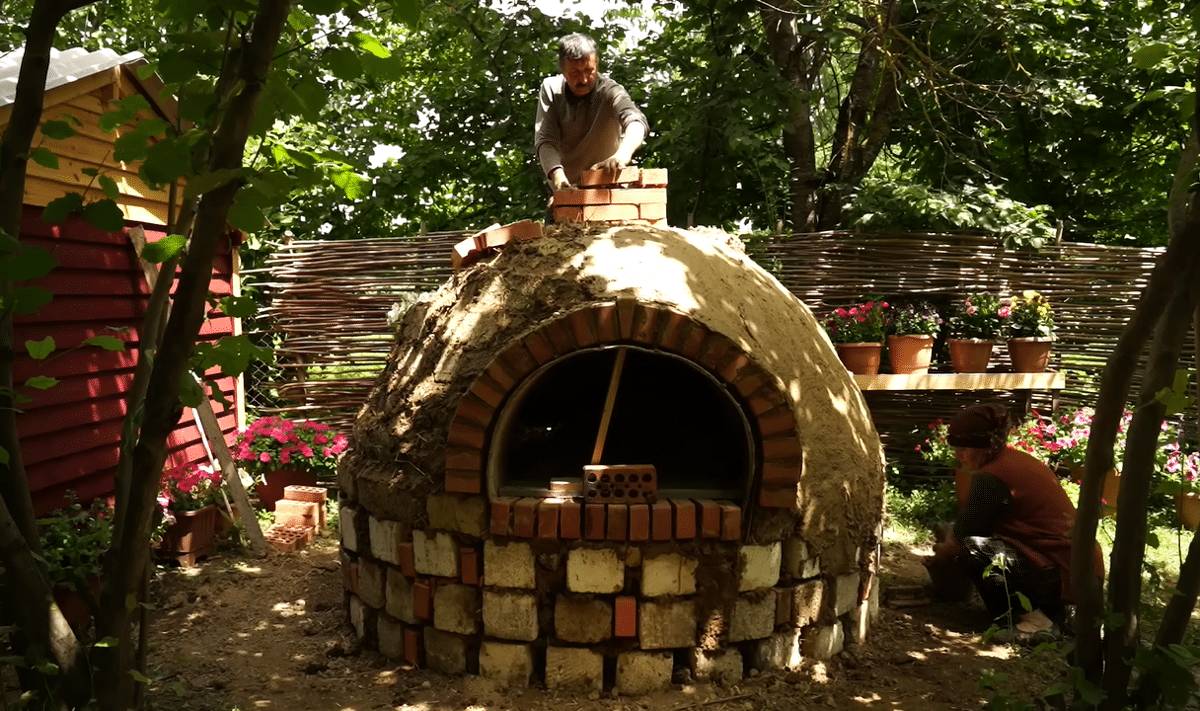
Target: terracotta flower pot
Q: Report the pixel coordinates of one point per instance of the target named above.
(1029, 355)
(271, 489)
(860, 358)
(1188, 507)
(970, 355)
(910, 354)
(193, 534)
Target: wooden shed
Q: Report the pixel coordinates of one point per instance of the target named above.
(70, 434)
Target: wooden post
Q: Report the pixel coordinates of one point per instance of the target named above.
(609, 401)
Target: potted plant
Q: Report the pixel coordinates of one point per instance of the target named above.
(1030, 332)
(857, 333)
(189, 496)
(74, 540)
(281, 452)
(975, 324)
(913, 327)
(1182, 478)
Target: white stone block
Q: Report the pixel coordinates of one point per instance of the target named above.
(386, 537)
(346, 526)
(595, 570)
(668, 574)
(435, 554)
(508, 665)
(823, 642)
(574, 668)
(510, 615)
(845, 593)
(643, 672)
(753, 617)
(779, 652)
(797, 562)
(508, 565)
(759, 566)
(719, 666)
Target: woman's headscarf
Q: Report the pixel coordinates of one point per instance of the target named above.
(983, 426)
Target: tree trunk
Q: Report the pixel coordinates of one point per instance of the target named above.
(1175, 619)
(162, 409)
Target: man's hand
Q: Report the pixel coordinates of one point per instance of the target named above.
(616, 161)
(558, 180)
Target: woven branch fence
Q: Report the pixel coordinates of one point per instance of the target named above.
(330, 300)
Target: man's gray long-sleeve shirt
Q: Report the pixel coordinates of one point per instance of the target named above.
(576, 132)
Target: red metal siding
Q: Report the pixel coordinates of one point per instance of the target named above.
(70, 434)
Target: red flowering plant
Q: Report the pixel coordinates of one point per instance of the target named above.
(980, 316)
(934, 448)
(271, 442)
(861, 323)
(190, 487)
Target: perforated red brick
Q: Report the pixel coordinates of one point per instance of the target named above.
(662, 527)
(652, 176)
(525, 517)
(315, 494)
(685, 519)
(594, 522)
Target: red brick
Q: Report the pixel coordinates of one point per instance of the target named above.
(422, 600)
(625, 616)
(710, 518)
(463, 253)
(569, 520)
(647, 325)
(780, 474)
(671, 336)
(685, 518)
(408, 565)
(693, 340)
(714, 351)
(653, 176)
(464, 458)
(730, 371)
(652, 211)
(626, 308)
(412, 646)
(501, 375)
(349, 574)
(583, 328)
(465, 434)
(731, 522)
(559, 334)
(639, 522)
(295, 492)
(462, 481)
(502, 515)
(298, 514)
(783, 606)
(618, 522)
(593, 529)
(597, 213)
(591, 178)
(606, 323)
(785, 447)
(749, 380)
(777, 421)
(662, 527)
(468, 563)
(513, 232)
(589, 196)
(488, 391)
(777, 497)
(525, 517)
(472, 409)
(766, 399)
(547, 516)
(519, 361)
(567, 214)
(637, 196)
(539, 347)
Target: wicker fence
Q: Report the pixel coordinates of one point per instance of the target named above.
(330, 300)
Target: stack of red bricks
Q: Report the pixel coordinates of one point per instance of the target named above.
(490, 239)
(672, 519)
(631, 195)
(299, 517)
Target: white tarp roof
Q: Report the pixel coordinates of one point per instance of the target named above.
(66, 66)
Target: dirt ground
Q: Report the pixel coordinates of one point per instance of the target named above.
(241, 633)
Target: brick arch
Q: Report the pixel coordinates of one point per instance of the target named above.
(657, 327)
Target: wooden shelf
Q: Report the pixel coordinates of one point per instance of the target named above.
(963, 381)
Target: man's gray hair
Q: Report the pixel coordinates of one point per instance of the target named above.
(575, 46)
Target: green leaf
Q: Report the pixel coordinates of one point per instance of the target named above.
(167, 161)
(238, 306)
(29, 299)
(104, 215)
(344, 64)
(139, 677)
(1024, 601)
(61, 208)
(108, 343)
(407, 11)
(47, 668)
(352, 184)
(124, 112)
(45, 157)
(57, 130)
(4, 456)
(40, 350)
(152, 127)
(369, 44)
(41, 382)
(131, 147)
(190, 393)
(28, 262)
(162, 250)
(106, 643)
(109, 186)
(90, 172)
(1147, 56)
(246, 216)
(212, 180)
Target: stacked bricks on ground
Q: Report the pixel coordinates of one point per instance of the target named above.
(299, 518)
(628, 196)
(441, 573)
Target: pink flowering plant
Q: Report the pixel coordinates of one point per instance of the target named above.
(190, 487)
(920, 318)
(861, 323)
(274, 442)
(934, 448)
(1030, 316)
(980, 316)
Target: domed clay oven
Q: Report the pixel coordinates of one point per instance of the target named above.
(606, 454)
